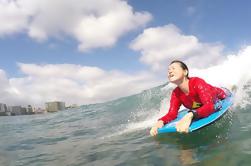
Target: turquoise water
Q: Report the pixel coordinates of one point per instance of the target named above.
(117, 133)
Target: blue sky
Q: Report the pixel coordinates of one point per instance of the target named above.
(36, 36)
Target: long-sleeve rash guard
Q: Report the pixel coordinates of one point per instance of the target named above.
(201, 98)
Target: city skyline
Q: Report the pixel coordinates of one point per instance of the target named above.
(52, 106)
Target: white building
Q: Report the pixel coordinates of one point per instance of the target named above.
(54, 106)
(15, 110)
(3, 109)
(30, 110)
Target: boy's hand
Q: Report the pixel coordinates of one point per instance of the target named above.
(154, 129)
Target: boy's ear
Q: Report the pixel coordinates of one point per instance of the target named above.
(186, 72)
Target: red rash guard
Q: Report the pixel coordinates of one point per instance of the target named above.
(201, 97)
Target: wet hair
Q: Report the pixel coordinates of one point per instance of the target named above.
(182, 65)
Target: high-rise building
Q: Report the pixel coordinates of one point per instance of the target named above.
(16, 110)
(54, 106)
(3, 109)
(30, 110)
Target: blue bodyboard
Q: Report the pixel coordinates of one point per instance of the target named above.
(197, 124)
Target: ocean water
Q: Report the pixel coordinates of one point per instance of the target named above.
(117, 133)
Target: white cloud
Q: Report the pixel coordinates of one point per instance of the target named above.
(93, 23)
(72, 84)
(12, 18)
(8, 93)
(160, 45)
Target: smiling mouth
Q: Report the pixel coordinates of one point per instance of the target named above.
(171, 75)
